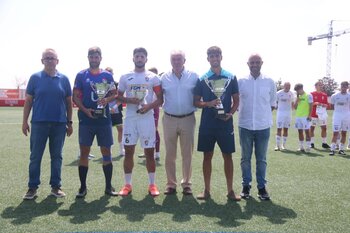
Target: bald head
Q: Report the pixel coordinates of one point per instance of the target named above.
(286, 86)
(254, 63)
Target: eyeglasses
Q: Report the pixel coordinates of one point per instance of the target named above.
(49, 58)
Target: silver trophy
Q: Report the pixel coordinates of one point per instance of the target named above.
(139, 92)
(218, 87)
(101, 90)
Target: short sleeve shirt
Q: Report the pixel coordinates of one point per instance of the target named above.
(202, 89)
(86, 82)
(341, 103)
(49, 96)
(284, 101)
(133, 81)
(319, 97)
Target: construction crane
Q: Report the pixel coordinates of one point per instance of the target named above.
(329, 37)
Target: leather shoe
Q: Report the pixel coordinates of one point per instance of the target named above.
(187, 191)
(169, 191)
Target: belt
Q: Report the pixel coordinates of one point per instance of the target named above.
(179, 116)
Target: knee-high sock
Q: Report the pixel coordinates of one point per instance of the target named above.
(82, 176)
(108, 171)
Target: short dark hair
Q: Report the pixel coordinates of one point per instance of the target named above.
(214, 50)
(344, 83)
(94, 50)
(140, 50)
(298, 86)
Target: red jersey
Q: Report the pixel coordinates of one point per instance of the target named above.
(319, 97)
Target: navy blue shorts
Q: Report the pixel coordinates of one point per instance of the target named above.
(117, 119)
(224, 137)
(103, 134)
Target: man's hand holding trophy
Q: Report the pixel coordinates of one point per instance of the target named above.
(138, 93)
(218, 87)
(101, 90)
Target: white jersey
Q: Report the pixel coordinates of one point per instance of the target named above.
(284, 101)
(341, 103)
(133, 84)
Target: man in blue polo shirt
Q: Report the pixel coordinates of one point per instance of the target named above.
(216, 127)
(49, 94)
(90, 124)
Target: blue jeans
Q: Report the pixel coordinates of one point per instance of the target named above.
(259, 139)
(40, 132)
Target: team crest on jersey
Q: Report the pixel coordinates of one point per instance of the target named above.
(147, 78)
(146, 142)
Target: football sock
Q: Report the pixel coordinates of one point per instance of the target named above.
(82, 176)
(108, 171)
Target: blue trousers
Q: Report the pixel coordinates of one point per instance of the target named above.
(40, 133)
(259, 140)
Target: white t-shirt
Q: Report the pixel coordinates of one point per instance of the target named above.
(341, 103)
(132, 82)
(284, 101)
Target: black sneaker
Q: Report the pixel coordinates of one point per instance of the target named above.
(111, 192)
(30, 195)
(341, 152)
(81, 193)
(325, 146)
(263, 194)
(245, 194)
(313, 145)
(331, 153)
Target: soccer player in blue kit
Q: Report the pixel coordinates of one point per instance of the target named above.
(90, 125)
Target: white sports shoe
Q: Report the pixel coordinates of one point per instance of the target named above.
(277, 148)
(283, 147)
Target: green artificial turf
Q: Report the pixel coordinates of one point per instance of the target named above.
(310, 192)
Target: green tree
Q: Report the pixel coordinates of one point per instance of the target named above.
(329, 85)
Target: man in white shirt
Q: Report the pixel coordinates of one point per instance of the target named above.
(341, 117)
(285, 101)
(178, 121)
(139, 87)
(257, 100)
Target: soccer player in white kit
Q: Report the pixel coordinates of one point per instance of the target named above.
(341, 116)
(285, 102)
(139, 86)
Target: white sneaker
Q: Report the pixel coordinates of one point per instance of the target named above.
(277, 148)
(122, 153)
(301, 149)
(307, 150)
(90, 156)
(283, 147)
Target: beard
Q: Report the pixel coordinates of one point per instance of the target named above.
(140, 65)
(94, 65)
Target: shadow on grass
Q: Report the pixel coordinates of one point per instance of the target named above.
(82, 211)
(276, 214)
(134, 210)
(300, 153)
(26, 211)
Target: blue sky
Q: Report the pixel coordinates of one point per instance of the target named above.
(276, 29)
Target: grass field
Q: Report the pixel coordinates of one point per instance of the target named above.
(310, 192)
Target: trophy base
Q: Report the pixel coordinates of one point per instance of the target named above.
(220, 114)
(100, 113)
